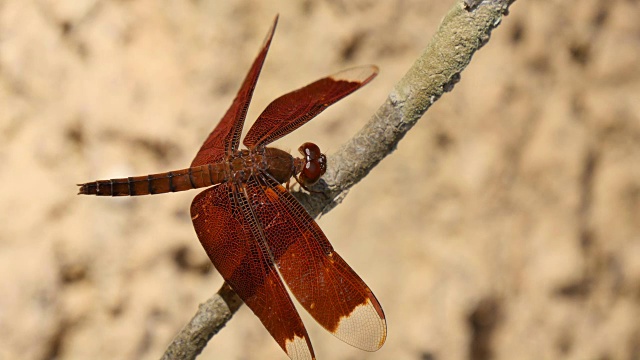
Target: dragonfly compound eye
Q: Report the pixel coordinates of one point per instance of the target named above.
(315, 163)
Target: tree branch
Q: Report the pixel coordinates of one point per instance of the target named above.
(210, 318)
(464, 30)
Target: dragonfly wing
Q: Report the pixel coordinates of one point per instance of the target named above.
(225, 138)
(292, 110)
(226, 228)
(324, 284)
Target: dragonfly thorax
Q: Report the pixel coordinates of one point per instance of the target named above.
(278, 163)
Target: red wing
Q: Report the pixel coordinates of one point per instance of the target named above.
(225, 138)
(226, 228)
(292, 110)
(324, 284)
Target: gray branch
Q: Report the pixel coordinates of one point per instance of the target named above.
(464, 30)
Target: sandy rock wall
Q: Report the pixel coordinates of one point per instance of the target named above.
(505, 226)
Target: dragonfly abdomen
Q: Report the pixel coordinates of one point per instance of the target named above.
(172, 181)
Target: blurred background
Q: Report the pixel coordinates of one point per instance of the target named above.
(505, 226)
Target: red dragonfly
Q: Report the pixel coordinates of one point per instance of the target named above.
(255, 232)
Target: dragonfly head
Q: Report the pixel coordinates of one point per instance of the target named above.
(315, 164)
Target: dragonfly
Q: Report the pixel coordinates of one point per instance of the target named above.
(257, 235)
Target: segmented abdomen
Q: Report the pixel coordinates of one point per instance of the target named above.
(172, 181)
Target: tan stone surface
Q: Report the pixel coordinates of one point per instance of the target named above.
(505, 226)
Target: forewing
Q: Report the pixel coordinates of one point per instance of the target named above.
(294, 109)
(225, 138)
(223, 223)
(324, 284)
